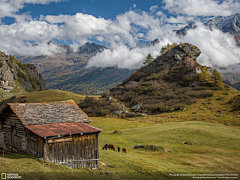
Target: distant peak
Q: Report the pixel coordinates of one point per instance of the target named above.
(89, 47)
(52, 42)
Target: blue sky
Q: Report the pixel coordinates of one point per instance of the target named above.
(108, 9)
(118, 24)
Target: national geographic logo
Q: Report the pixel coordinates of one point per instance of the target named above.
(3, 175)
(10, 176)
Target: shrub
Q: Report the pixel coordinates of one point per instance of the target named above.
(34, 85)
(161, 109)
(205, 94)
(104, 112)
(179, 106)
(167, 47)
(106, 94)
(131, 85)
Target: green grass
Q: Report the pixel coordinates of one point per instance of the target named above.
(52, 95)
(215, 149)
(18, 89)
(215, 109)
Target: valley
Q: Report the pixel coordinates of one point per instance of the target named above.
(173, 114)
(213, 149)
(67, 70)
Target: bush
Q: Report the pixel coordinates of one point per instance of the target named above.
(104, 112)
(179, 107)
(161, 109)
(131, 85)
(199, 88)
(167, 47)
(131, 115)
(106, 94)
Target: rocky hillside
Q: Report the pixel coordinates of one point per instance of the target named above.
(232, 79)
(16, 77)
(66, 70)
(171, 82)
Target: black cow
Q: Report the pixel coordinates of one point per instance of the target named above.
(105, 147)
(118, 149)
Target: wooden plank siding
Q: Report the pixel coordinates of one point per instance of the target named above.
(77, 150)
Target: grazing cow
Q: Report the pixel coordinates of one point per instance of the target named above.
(110, 146)
(105, 147)
(118, 149)
(124, 150)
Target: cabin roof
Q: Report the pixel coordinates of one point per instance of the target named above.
(49, 113)
(46, 130)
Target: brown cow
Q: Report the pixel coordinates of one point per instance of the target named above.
(110, 146)
(124, 150)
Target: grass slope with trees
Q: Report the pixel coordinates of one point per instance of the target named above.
(201, 139)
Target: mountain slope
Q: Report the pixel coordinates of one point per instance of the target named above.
(87, 81)
(171, 82)
(66, 70)
(67, 59)
(17, 78)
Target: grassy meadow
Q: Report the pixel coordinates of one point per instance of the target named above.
(214, 148)
(215, 109)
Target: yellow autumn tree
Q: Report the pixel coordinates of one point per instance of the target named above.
(204, 76)
(217, 79)
(167, 47)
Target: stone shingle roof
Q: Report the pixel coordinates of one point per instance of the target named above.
(49, 113)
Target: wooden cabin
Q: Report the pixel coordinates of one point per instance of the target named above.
(58, 132)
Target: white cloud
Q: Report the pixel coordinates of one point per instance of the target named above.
(218, 49)
(122, 33)
(10, 7)
(153, 8)
(180, 19)
(79, 25)
(134, 5)
(160, 13)
(16, 37)
(100, 38)
(122, 57)
(202, 7)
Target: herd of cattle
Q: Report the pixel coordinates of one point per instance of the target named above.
(111, 147)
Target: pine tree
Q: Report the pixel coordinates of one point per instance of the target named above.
(148, 60)
(217, 79)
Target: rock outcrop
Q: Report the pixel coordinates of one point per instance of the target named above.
(183, 53)
(12, 71)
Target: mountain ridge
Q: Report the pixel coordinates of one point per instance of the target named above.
(62, 69)
(226, 24)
